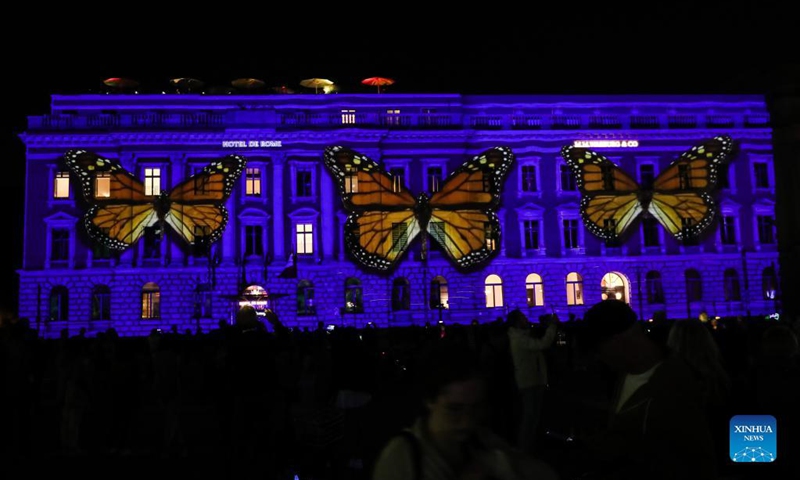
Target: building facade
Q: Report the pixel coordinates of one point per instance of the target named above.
(285, 210)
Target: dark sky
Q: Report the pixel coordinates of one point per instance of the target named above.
(558, 48)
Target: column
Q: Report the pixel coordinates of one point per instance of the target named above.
(328, 219)
(178, 173)
(278, 162)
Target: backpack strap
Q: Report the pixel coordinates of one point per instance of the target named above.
(416, 452)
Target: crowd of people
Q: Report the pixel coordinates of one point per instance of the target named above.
(607, 396)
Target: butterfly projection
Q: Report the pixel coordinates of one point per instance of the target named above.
(385, 218)
(680, 198)
(120, 209)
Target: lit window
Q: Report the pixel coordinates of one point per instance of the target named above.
(102, 185)
(434, 179)
(612, 286)
(534, 288)
(253, 182)
(398, 175)
(151, 301)
(152, 181)
(61, 186)
(493, 287)
(574, 289)
(305, 238)
(348, 116)
(350, 179)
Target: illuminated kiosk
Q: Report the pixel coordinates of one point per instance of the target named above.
(286, 201)
(256, 297)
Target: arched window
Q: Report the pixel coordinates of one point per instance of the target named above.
(305, 298)
(101, 303)
(731, 286)
(151, 301)
(574, 289)
(202, 301)
(59, 306)
(401, 294)
(654, 288)
(614, 286)
(769, 283)
(439, 294)
(353, 298)
(493, 287)
(694, 285)
(534, 289)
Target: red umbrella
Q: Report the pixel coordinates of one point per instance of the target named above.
(377, 82)
(118, 82)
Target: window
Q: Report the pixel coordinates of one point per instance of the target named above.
(567, 179)
(254, 240)
(647, 174)
(101, 303)
(58, 307)
(655, 291)
(398, 174)
(534, 289)
(100, 251)
(151, 301)
(59, 244)
(530, 230)
(529, 177)
(570, 228)
(694, 286)
(400, 235)
(574, 289)
(731, 286)
(614, 286)
(689, 239)
(201, 246)
(348, 116)
(762, 174)
(651, 232)
(152, 242)
(401, 294)
(303, 184)
(727, 230)
(351, 179)
(202, 301)
(61, 185)
(440, 296)
(102, 185)
(766, 229)
(769, 283)
(571, 231)
(724, 177)
(152, 181)
(305, 298)
(392, 115)
(493, 287)
(305, 238)
(253, 182)
(353, 299)
(434, 177)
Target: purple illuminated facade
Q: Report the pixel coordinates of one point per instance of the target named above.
(286, 202)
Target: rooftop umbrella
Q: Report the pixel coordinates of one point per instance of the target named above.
(247, 83)
(316, 83)
(377, 82)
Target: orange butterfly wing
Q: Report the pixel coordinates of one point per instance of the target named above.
(681, 193)
(463, 220)
(610, 197)
(382, 219)
(196, 205)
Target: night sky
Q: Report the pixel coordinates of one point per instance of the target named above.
(543, 49)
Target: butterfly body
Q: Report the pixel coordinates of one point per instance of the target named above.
(679, 199)
(120, 210)
(384, 218)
